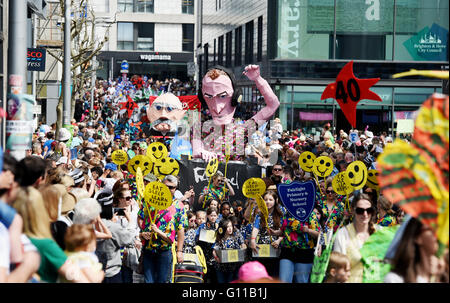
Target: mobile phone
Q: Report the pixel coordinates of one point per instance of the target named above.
(119, 211)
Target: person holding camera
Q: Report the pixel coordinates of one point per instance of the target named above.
(216, 190)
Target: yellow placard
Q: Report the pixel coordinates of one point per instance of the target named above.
(306, 161)
(166, 166)
(212, 167)
(233, 255)
(119, 157)
(207, 235)
(341, 184)
(357, 173)
(254, 187)
(323, 166)
(372, 179)
(262, 207)
(264, 250)
(144, 162)
(140, 182)
(157, 151)
(158, 195)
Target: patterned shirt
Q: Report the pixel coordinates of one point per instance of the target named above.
(190, 241)
(387, 220)
(215, 193)
(264, 237)
(335, 216)
(168, 220)
(292, 229)
(207, 247)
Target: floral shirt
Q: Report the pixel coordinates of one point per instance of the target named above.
(215, 193)
(292, 229)
(387, 220)
(264, 237)
(334, 217)
(132, 183)
(168, 220)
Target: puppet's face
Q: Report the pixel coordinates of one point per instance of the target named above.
(164, 113)
(217, 94)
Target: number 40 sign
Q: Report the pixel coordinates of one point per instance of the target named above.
(349, 90)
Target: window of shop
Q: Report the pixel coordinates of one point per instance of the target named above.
(188, 37)
(187, 7)
(360, 47)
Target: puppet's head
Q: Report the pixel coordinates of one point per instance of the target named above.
(164, 112)
(220, 93)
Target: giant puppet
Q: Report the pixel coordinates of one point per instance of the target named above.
(221, 95)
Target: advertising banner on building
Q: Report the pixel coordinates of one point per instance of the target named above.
(192, 172)
(36, 59)
(19, 122)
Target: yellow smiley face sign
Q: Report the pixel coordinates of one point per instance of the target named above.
(119, 157)
(357, 173)
(341, 184)
(254, 187)
(323, 166)
(372, 179)
(157, 151)
(306, 161)
(140, 182)
(165, 167)
(141, 161)
(158, 195)
(212, 167)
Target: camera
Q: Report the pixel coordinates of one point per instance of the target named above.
(119, 211)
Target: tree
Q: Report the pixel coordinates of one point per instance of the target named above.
(85, 45)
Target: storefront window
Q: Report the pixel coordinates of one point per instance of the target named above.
(421, 32)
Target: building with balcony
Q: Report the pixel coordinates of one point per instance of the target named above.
(301, 45)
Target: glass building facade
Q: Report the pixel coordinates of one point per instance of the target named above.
(305, 43)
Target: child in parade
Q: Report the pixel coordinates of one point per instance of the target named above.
(81, 243)
(207, 247)
(338, 270)
(226, 238)
(264, 234)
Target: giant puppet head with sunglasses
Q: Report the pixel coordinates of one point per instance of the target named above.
(220, 93)
(164, 112)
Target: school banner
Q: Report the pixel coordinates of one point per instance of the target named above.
(192, 172)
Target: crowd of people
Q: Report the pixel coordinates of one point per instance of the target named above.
(68, 213)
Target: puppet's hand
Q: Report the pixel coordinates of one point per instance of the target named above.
(252, 72)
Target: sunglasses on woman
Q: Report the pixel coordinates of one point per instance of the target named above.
(127, 198)
(171, 187)
(360, 211)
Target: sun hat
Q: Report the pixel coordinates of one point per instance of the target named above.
(68, 199)
(62, 160)
(64, 135)
(252, 271)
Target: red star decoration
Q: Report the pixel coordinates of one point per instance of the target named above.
(349, 90)
(130, 105)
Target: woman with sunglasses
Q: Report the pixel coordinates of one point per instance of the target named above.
(332, 208)
(351, 238)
